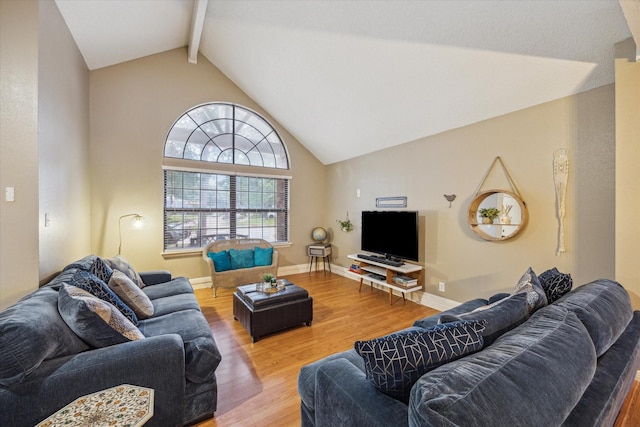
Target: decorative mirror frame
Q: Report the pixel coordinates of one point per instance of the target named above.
(478, 227)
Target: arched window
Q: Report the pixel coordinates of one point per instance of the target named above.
(226, 133)
(202, 204)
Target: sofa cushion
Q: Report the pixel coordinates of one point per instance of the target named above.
(65, 276)
(555, 284)
(530, 285)
(177, 285)
(262, 256)
(517, 377)
(501, 316)
(465, 307)
(241, 258)
(131, 294)
(96, 321)
(394, 363)
(604, 307)
(120, 263)
(96, 287)
(32, 331)
(93, 264)
(173, 303)
(221, 260)
(201, 352)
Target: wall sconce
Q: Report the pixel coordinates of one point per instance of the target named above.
(137, 223)
(450, 198)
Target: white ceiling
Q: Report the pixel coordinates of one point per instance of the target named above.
(350, 77)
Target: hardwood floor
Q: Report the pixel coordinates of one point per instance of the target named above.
(257, 382)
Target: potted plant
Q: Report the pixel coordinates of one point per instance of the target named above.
(345, 225)
(488, 214)
(269, 279)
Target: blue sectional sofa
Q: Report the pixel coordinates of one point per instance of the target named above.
(567, 363)
(45, 365)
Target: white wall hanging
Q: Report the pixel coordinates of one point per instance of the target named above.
(560, 176)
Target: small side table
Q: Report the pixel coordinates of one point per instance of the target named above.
(124, 405)
(316, 251)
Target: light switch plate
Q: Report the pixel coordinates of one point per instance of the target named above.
(9, 194)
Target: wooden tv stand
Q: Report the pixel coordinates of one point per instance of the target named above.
(388, 271)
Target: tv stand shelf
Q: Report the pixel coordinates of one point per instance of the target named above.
(388, 271)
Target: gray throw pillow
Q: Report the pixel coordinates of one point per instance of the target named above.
(131, 294)
(120, 263)
(530, 284)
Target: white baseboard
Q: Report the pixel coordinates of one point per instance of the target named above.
(638, 376)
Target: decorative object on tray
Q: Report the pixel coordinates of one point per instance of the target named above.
(124, 405)
(270, 284)
(345, 225)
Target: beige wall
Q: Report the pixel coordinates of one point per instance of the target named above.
(455, 162)
(18, 149)
(63, 121)
(627, 170)
(133, 106)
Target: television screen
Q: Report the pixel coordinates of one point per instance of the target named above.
(390, 233)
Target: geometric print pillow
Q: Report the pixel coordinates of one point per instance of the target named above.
(555, 284)
(394, 363)
(93, 264)
(96, 287)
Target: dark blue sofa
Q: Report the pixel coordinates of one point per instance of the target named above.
(45, 366)
(570, 363)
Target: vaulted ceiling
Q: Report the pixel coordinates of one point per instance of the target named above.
(350, 77)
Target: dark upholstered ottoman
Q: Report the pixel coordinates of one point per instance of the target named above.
(263, 313)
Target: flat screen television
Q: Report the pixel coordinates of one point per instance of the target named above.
(393, 234)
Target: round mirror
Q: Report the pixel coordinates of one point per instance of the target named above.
(497, 215)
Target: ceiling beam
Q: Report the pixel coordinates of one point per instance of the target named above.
(197, 23)
(631, 11)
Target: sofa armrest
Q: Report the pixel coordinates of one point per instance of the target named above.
(156, 362)
(345, 397)
(155, 277)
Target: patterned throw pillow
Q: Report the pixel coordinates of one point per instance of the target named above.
(555, 284)
(394, 363)
(95, 321)
(93, 264)
(241, 258)
(530, 284)
(120, 263)
(221, 260)
(131, 295)
(96, 287)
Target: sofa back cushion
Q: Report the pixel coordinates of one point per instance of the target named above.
(604, 307)
(538, 371)
(93, 264)
(500, 317)
(32, 331)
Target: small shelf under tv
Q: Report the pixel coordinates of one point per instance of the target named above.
(388, 272)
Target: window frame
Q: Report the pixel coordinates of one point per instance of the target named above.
(234, 171)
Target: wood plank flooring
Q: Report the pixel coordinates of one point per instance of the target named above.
(257, 382)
